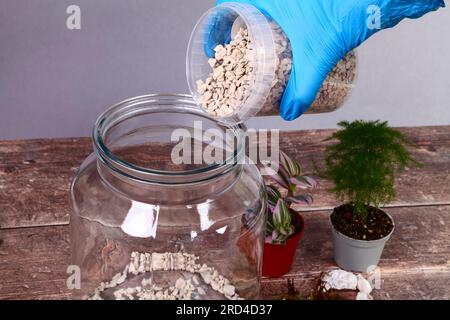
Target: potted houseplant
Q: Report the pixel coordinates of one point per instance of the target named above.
(362, 165)
(285, 226)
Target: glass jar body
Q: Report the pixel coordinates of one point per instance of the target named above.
(133, 238)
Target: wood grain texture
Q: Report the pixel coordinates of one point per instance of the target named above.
(35, 175)
(33, 263)
(415, 263)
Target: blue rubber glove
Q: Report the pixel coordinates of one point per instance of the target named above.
(322, 32)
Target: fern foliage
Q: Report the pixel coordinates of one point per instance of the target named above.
(364, 161)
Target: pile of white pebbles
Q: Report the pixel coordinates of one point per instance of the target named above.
(183, 288)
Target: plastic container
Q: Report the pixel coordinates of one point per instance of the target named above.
(271, 62)
(145, 227)
(337, 87)
(358, 255)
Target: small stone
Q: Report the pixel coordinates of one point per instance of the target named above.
(340, 280)
(201, 291)
(215, 285)
(212, 62)
(218, 72)
(206, 277)
(202, 89)
(364, 285)
(145, 282)
(363, 296)
(180, 283)
(228, 290)
(208, 95)
(117, 279)
(220, 52)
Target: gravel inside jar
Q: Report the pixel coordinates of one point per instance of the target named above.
(186, 279)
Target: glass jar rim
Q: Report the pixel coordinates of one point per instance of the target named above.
(157, 103)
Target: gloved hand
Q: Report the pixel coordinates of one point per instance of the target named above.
(322, 32)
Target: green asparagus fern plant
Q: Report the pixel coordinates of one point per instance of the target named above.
(363, 162)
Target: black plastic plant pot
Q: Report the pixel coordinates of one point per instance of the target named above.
(358, 255)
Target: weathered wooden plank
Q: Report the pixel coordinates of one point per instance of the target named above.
(35, 175)
(415, 286)
(415, 264)
(33, 263)
(35, 195)
(44, 151)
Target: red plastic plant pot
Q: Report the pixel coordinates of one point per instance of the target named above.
(277, 259)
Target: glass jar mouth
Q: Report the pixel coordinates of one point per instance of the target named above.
(175, 107)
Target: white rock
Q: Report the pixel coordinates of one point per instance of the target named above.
(118, 279)
(212, 62)
(201, 291)
(206, 277)
(340, 280)
(180, 283)
(132, 269)
(364, 285)
(158, 261)
(215, 285)
(228, 290)
(363, 296)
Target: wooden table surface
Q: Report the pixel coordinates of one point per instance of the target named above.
(34, 243)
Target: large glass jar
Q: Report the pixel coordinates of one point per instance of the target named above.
(145, 226)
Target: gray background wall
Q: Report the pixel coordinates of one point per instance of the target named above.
(54, 81)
